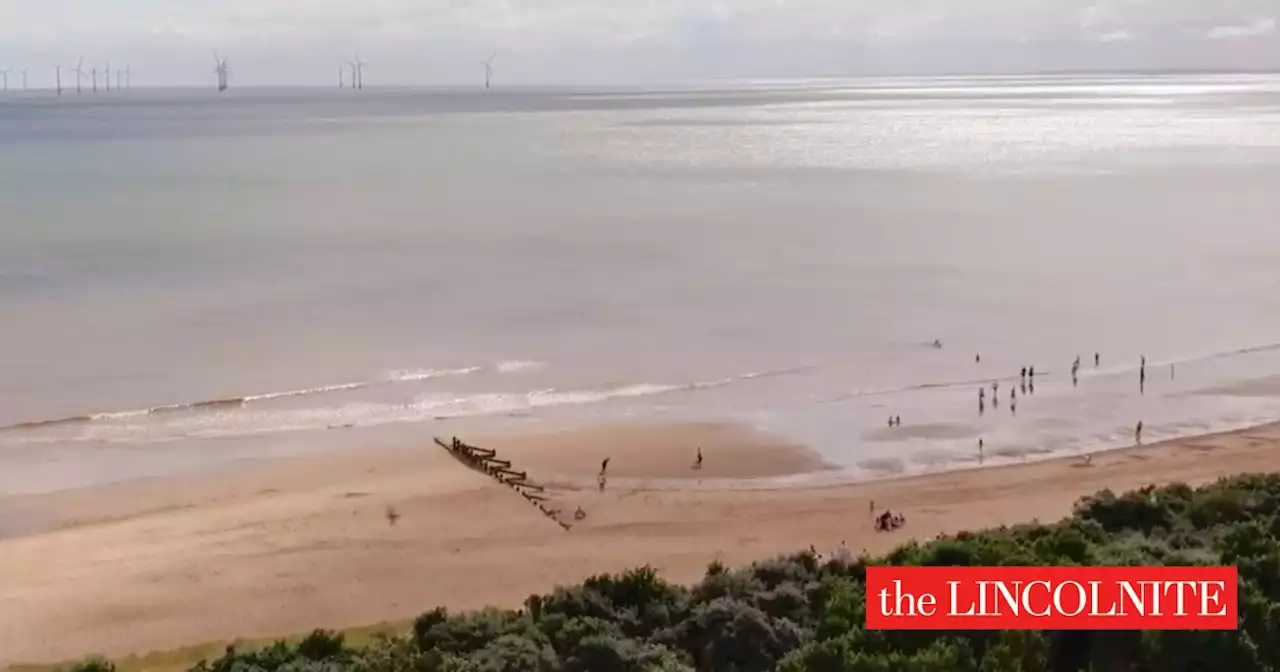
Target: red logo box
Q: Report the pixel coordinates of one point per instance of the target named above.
(1052, 598)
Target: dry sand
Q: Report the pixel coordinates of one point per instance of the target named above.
(292, 546)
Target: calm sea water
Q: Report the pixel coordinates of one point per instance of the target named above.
(333, 270)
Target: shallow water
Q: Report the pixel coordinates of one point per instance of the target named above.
(333, 268)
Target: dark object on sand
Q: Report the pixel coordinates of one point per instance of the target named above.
(889, 521)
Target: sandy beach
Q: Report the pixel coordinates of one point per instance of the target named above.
(305, 543)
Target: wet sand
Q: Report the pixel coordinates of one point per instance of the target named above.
(306, 543)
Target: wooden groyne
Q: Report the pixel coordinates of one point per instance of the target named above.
(486, 461)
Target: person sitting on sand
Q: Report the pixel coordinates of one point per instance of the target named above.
(937, 343)
(579, 514)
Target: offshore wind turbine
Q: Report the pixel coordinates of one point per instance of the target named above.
(119, 80)
(95, 79)
(128, 76)
(220, 69)
(341, 69)
(24, 78)
(107, 74)
(358, 69)
(79, 74)
(57, 77)
(488, 70)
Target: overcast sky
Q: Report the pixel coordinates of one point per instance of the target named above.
(630, 41)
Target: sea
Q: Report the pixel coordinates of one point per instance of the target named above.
(192, 281)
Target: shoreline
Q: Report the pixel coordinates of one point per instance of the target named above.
(141, 566)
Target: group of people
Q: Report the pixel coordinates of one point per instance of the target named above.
(889, 521)
(1027, 382)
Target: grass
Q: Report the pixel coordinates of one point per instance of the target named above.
(183, 658)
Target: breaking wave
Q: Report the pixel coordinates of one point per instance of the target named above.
(400, 376)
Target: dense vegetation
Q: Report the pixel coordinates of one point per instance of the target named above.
(800, 613)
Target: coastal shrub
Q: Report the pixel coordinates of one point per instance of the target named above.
(801, 613)
(93, 664)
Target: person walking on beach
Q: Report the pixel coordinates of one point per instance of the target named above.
(1137, 433)
(604, 465)
(697, 464)
(1142, 380)
(981, 445)
(977, 359)
(1097, 360)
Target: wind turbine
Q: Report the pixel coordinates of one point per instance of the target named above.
(95, 79)
(488, 70)
(220, 69)
(359, 70)
(119, 80)
(5, 73)
(107, 74)
(79, 74)
(24, 78)
(57, 73)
